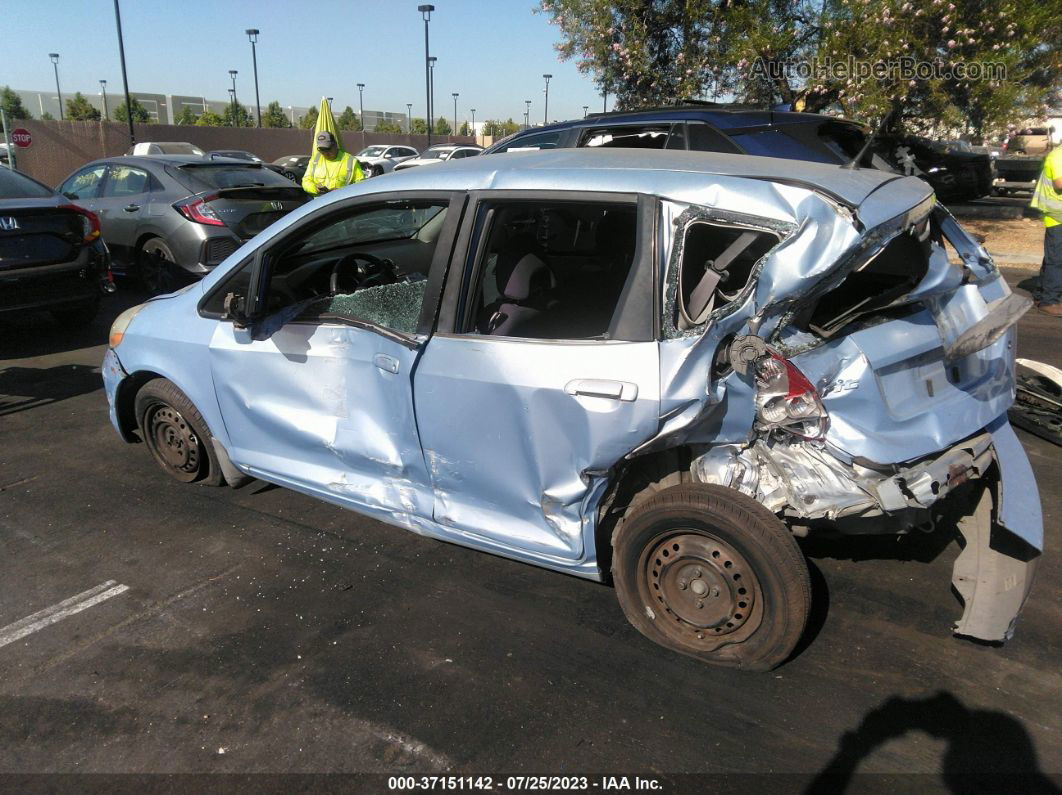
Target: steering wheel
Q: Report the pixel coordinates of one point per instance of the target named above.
(368, 271)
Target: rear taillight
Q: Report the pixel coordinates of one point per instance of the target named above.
(786, 400)
(90, 222)
(199, 210)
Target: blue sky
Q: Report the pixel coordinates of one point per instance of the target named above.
(493, 52)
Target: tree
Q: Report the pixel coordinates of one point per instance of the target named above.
(237, 115)
(442, 127)
(186, 116)
(465, 130)
(80, 109)
(418, 127)
(12, 104)
(47, 116)
(275, 116)
(140, 114)
(348, 120)
(309, 121)
(209, 118)
(388, 126)
(787, 51)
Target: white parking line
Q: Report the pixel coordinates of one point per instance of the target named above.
(57, 612)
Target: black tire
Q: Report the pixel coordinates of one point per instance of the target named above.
(175, 433)
(78, 316)
(376, 171)
(291, 175)
(156, 267)
(708, 572)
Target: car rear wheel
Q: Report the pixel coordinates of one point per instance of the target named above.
(175, 433)
(376, 170)
(290, 175)
(708, 572)
(156, 267)
(78, 316)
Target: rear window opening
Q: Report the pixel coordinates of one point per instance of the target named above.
(631, 137)
(875, 285)
(717, 262)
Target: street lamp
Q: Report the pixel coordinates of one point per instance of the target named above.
(232, 74)
(103, 93)
(527, 113)
(545, 110)
(361, 106)
(455, 95)
(291, 111)
(473, 130)
(431, 94)
(425, 12)
(409, 118)
(58, 95)
(252, 36)
(585, 109)
(232, 104)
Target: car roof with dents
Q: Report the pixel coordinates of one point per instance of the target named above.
(663, 172)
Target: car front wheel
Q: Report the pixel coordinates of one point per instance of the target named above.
(176, 434)
(708, 572)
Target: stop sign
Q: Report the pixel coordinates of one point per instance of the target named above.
(21, 137)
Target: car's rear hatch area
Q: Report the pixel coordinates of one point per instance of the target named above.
(36, 232)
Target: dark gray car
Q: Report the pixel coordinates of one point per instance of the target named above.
(168, 218)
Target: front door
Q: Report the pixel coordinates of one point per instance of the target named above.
(548, 376)
(121, 205)
(317, 394)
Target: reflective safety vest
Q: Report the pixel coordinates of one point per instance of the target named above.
(344, 170)
(1045, 198)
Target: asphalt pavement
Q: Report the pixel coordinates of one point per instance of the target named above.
(260, 630)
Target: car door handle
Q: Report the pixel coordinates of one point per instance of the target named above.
(131, 208)
(388, 364)
(600, 388)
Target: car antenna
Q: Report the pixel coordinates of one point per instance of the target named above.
(853, 164)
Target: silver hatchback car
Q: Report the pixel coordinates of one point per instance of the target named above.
(656, 368)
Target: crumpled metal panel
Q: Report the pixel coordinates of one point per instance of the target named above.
(1019, 507)
(516, 456)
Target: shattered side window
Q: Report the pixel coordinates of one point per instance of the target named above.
(717, 262)
(364, 266)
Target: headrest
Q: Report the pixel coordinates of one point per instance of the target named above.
(529, 275)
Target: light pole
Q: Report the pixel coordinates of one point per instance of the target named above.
(103, 93)
(585, 109)
(473, 130)
(425, 12)
(431, 93)
(361, 106)
(232, 74)
(125, 79)
(58, 95)
(545, 110)
(527, 113)
(455, 95)
(232, 104)
(291, 112)
(252, 35)
(604, 102)
(409, 118)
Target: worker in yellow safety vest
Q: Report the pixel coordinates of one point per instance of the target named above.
(1047, 198)
(330, 167)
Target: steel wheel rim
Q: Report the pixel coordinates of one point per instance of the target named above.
(701, 589)
(174, 441)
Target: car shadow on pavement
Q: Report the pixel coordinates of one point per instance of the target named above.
(32, 333)
(25, 388)
(986, 751)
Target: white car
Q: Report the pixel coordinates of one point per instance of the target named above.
(439, 153)
(381, 158)
(165, 148)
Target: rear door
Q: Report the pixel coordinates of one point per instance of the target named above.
(520, 420)
(121, 206)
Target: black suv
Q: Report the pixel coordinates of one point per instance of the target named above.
(737, 129)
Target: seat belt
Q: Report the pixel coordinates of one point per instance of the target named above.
(702, 299)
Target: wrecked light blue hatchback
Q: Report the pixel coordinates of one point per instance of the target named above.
(654, 367)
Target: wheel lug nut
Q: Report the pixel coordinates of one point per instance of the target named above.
(715, 592)
(700, 604)
(696, 574)
(682, 585)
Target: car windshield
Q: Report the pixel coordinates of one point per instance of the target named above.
(372, 227)
(230, 175)
(236, 154)
(436, 154)
(372, 151)
(17, 186)
(179, 149)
